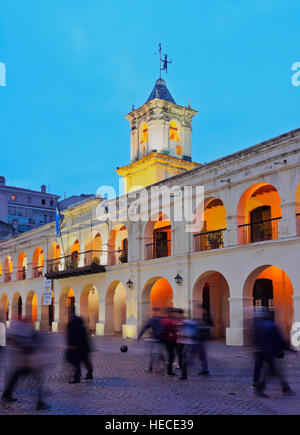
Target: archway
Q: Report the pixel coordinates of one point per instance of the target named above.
(89, 307)
(72, 261)
(157, 293)
(258, 214)
(38, 263)
(8, 269)
(210, 298)
(31, 306)
(118, 246)
(269, 286)
(93, 250)
(115, 308)
(4, 309)
(22, 266)
(17, 307)
(66, 300)
(213, 227)
(157, 237)
(54, 257)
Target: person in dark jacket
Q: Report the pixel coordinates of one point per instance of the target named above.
(78, 346)
(155, 325)
(269, 345)
(169, 339)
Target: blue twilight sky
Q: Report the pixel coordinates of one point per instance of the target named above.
(74, 69)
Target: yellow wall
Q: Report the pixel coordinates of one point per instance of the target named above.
(215, 218)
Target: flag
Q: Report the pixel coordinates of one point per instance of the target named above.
(58, 219)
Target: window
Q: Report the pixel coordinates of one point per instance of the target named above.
(144, 133)
(28, 200)
(174, 131)
(51, 203)
(43, 201)
(13, 197)
(12, 210)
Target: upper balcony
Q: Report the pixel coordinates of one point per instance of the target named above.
(72, 265)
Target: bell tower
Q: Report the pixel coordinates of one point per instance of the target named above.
(161, 140)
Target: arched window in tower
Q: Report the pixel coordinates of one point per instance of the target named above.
(144, 133)
(174, 131)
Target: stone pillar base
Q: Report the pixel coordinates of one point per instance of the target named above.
(129, 331)
(8, 323)
(234, 336)
(99, 328)
(37, 325)
(54, 326)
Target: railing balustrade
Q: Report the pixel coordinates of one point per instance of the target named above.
(158, 249)
(259, 231)
(209, 240)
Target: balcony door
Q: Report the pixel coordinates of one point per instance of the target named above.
(261, 230)
(162, 242)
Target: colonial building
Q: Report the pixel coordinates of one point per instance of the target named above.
(115, 269)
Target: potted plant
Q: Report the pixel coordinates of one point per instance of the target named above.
(123, 257)
(96, 260)
(215, 239)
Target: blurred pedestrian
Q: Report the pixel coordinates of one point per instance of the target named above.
(188, 339)
(78, 347)
(170, 338)
(269, 345)
(28, 360)
(156, 349)
(204, 327)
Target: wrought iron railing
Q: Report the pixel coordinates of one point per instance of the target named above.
(209, 240)
(74, 261)
(117, 257)
(21, 274)
(158, 249)
(7, 277)
(37, 271)
(259, 231)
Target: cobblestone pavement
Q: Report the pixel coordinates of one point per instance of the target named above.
(121, 386)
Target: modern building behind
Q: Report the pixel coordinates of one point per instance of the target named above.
(26, 209)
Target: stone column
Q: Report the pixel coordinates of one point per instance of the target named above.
(230, 236)
(101, 321)
(130, 329)
(287, 225)
(240, 321)
(55, 323)
(37, 323)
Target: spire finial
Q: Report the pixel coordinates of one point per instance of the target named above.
(163, 61)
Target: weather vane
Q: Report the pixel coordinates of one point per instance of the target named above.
(163, 61)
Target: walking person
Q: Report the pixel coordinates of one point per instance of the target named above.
(170, 338)
(78, 348)
(204, 326)
(156, 349)
(189, 340)
(269, 345)
(28, 360)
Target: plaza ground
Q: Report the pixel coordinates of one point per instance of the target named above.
(122, 387)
